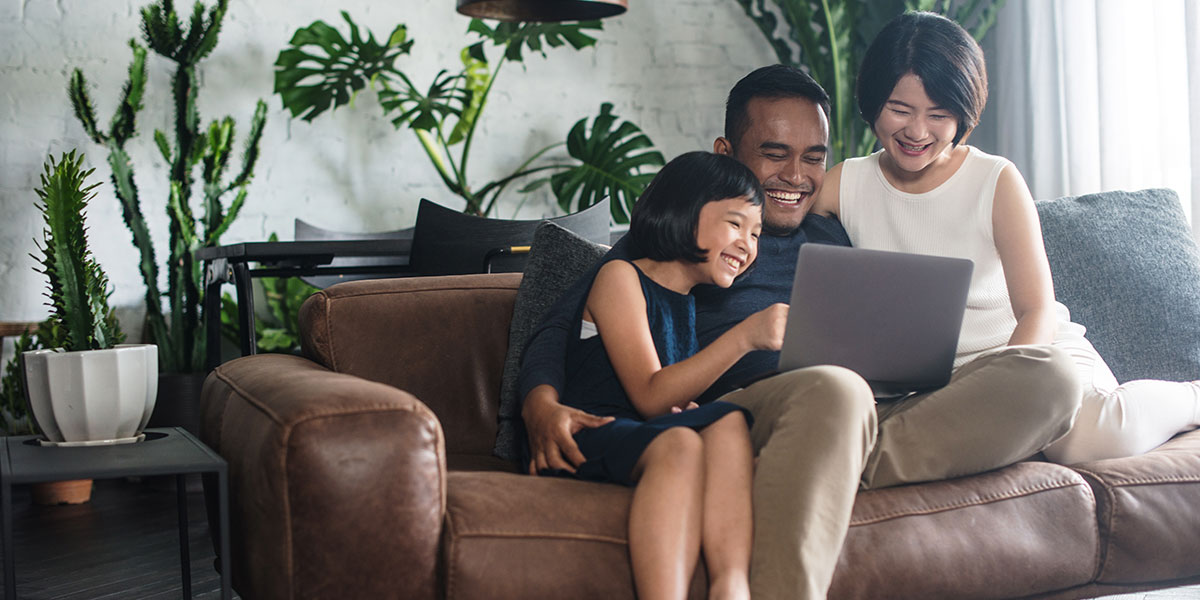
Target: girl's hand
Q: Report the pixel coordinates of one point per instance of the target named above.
(690, 406)
(764, 329)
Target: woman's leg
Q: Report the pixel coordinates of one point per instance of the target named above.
(665, 516)
(1114, 420)
(728, 528)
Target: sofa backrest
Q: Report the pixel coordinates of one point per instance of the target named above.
(442, 339)
(1127, 267)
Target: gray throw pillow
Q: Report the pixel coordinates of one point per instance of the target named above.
(1126, 265)
(557, 258)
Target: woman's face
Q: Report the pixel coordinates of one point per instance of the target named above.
(728, 232)
(914, 131)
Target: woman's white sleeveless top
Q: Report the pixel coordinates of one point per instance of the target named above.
(954, 219)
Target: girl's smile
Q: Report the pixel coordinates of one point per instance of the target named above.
(728, 232)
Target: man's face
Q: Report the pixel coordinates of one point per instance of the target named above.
(785, 144)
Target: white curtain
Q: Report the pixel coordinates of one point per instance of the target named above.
(1097, 95)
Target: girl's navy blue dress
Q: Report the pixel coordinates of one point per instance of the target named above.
(592, 385)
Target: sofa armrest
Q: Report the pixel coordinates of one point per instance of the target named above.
(334, 480)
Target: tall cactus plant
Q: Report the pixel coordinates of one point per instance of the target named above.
(177, 331)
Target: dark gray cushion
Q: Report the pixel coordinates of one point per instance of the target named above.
(558, 257)
(1126, 265)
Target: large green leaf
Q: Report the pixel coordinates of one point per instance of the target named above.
(446, 97)
(617, 162)
(536, 36)
(477, 79)
(320, 69)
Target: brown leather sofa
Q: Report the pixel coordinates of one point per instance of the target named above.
(366, 472)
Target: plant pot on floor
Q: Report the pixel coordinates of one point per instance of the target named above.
(53, 493)
(92, 397)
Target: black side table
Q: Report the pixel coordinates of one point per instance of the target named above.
(167, 451)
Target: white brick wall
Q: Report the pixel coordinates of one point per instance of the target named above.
(665, 64)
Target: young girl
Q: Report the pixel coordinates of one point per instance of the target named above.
(922, 86)
(636, 359)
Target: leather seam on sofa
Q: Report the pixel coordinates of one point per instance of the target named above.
(982, 500)
(1136, 482)
(543, 536)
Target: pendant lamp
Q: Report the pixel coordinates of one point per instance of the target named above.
(542, 10)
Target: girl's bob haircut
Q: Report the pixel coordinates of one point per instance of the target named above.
(940, 52)
(666, 216)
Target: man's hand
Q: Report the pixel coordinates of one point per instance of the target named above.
(550, 426)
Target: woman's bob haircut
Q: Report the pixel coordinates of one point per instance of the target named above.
(937, 50)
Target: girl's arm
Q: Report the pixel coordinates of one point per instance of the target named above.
(618, 308)
(828, 197)
(1018, 237)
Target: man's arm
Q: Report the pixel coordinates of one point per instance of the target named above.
(549, 425)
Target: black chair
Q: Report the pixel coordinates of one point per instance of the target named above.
(307, 232)
(448, 242)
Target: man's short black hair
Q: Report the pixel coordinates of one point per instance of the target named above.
(940, 52)
(665, 219)
(774, 81)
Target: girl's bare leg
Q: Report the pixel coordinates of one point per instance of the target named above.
(727, 532)
(665, 517)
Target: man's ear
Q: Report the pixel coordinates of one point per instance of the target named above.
(723, 146)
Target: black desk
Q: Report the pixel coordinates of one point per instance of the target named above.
(171, 451)
(230, 264)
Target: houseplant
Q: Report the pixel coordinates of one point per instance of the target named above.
(828, 39)
(322, 69)
(178, 331)
(84, 386)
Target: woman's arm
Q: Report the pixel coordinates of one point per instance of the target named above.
(828, 197)
(1018, 237)
(618, 308)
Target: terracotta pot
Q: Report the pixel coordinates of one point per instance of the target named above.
(51, 493)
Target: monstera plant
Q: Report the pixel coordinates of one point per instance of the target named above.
(323, 69)
(828, 38)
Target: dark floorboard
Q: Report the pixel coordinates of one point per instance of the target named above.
(123, 544)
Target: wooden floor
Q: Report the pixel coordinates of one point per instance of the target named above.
(123, 544)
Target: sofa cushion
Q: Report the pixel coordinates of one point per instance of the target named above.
(518, 536)
(1026, 529)
(1126, 266)
(1147, 507)
(557, 259)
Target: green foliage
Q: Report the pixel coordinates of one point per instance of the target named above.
(609, 165)
(828, 38)
(15, 418)
(323, 69)
(280, 330)
(177, 331)
(78, 288)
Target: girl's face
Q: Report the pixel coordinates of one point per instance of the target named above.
(915, 132)
(728, 232)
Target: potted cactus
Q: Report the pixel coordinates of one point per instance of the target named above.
(196, 219)
(79, 384)
(87, 388)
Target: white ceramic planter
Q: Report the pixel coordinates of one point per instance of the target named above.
(92, 395)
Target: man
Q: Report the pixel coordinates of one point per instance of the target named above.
(815, 430)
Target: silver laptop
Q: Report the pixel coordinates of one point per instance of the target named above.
(892, 317)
